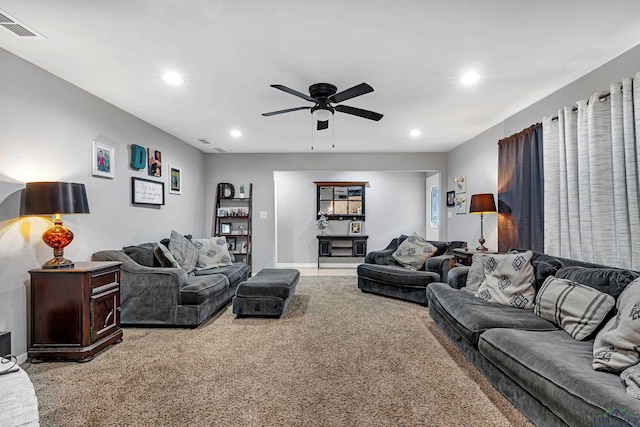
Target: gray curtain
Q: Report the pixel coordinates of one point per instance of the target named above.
(591, 200)
(520, 191)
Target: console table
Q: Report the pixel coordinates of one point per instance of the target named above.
(464, 256)
(342, 246)
(74, 312)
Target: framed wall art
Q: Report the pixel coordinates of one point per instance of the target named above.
(355, 227)
(461, 184)
(146, 191)
(154, 159)
(451, 198)
(175, 180)
(461, 205)
(102, 160)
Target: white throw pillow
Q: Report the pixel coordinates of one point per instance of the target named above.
(617, 344)
(414, 251)
(212, 252)
(576, 308)
(508, 280)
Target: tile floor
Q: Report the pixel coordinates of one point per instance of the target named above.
(310, 271)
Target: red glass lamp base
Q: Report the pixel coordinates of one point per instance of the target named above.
(57, 237)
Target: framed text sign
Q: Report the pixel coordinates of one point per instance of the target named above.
(147, 192)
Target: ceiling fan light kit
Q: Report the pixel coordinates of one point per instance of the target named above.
(323, 95)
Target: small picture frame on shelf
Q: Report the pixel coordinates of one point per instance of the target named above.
(245, 247)
(223, 211)
(242, 229)
(225, 228)
(355, 227)
(231, 243)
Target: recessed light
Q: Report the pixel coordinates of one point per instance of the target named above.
(415, 132)
(469, 78)
(173, 78)
(235, 133)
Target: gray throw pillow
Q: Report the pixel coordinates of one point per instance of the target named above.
(508, 280)
(576, 308)
(414, 252)
(183, 251)
(142, 253)
(164, 257)
(212, 252)
(617, 344)
(631, 379)
(475, 276)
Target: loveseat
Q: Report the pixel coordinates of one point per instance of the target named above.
(152, 295)
(382, 274)
(533, 362)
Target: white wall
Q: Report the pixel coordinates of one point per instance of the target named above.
(46, 130)
(477, 159)
(259, 169)
(394, 203)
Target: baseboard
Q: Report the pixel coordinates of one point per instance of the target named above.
(21, 358)
(339, 265)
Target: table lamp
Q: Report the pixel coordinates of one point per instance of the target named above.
(482, 204)
(55, 198)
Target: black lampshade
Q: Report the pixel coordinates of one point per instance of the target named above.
(482, 203)
(50, 198)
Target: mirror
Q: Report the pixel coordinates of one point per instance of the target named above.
(341, 200)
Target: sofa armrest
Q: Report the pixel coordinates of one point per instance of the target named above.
(148, 295)
(457, 277)
(440, 265)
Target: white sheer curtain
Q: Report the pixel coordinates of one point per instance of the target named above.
(591, 200)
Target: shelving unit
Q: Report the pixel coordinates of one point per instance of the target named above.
(232, 219)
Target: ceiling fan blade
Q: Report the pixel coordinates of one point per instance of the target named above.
(288, 110)
(358, 90)
(294, 92)
(359, 112)
(323, 124)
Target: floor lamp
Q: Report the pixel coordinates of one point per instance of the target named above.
(482, 204)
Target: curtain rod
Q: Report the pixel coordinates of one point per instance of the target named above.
(574, 110)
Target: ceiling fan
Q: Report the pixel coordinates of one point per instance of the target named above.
(323, 95)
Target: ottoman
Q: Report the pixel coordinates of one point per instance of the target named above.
(266, 294)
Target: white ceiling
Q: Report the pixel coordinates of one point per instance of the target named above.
(412, 52)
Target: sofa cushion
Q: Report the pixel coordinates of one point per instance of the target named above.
(617, 344)
(631, 379)
(397, 276)
(414, 252)
(235, 273)
(472, 316)
(555, 369)
(508, 280)
(609, 280)
(164, 257)
(202, 288)
(578, 309)
(212, 252)
(183, 251)
(142, 254)
(441, 247)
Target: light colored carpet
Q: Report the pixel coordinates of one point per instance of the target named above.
(338, 357)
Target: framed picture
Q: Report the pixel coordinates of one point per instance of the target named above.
(154, 162)
(225, 228)
(461, 184)
(245, 247)
(451, 198)
(146, 191)
(461, 205)
(355, 227)
(223, 211)
(175, 180)
(231, 243)
(102, 160)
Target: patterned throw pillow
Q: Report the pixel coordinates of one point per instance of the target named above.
(183, 251)
(413, 252)
(212, 252)
(617, 344)
(576, 308)
(508, 280)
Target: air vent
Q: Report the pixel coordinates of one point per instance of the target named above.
(204, 140)
(17, 28)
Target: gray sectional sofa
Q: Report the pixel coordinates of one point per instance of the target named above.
(151, 295)
(382, 274)
(539, 367)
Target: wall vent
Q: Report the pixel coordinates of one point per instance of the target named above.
(17, 28)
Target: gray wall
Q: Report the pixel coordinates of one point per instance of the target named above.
(395, 204)
(46, 130)
(478, 157)
(259, 169)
